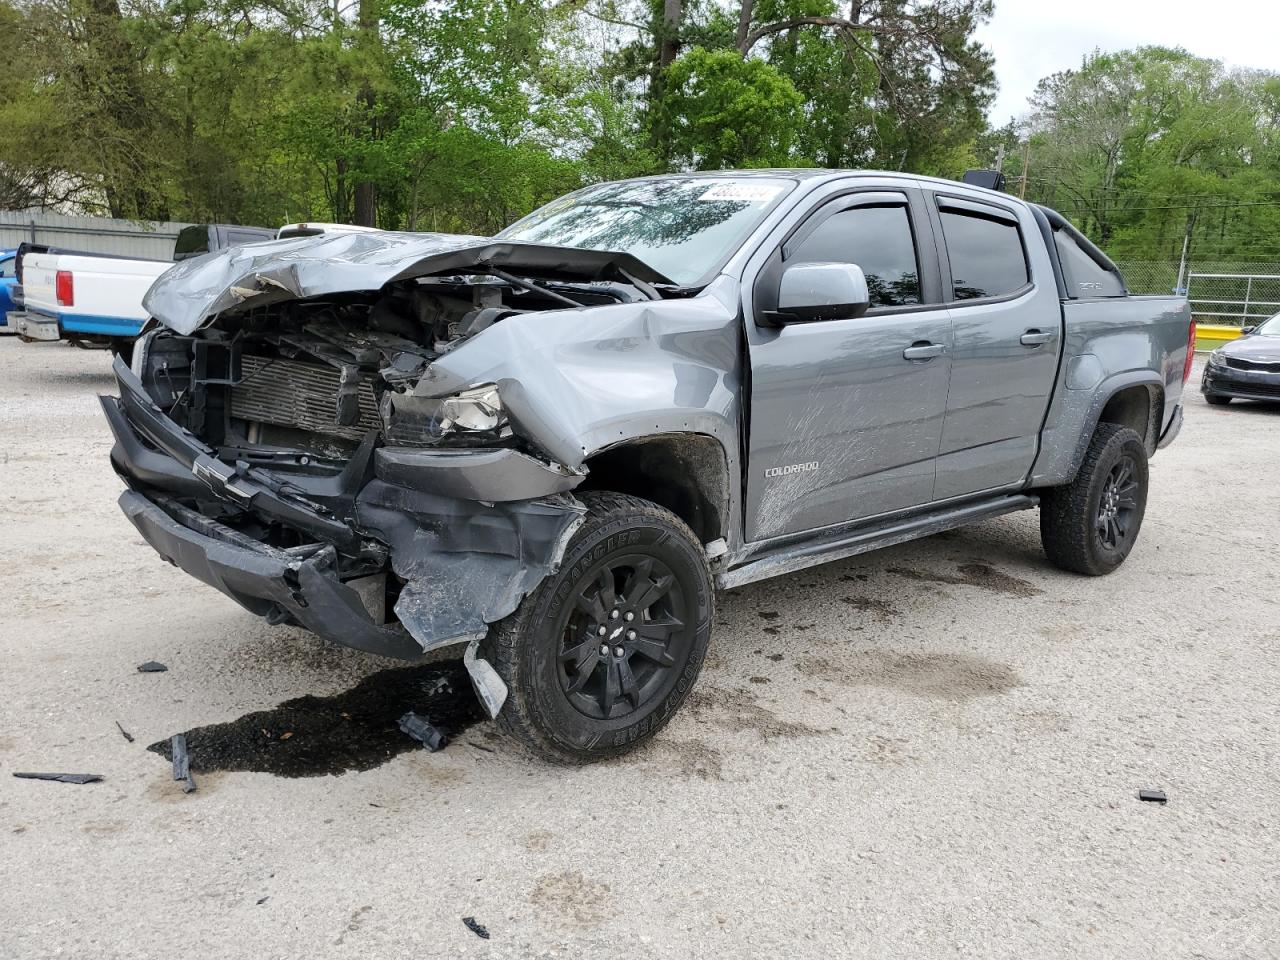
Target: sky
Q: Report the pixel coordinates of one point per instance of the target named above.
(1034, 38)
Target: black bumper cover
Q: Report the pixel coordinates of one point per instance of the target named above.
(1240, 384)
(268, 582)
(465, 563)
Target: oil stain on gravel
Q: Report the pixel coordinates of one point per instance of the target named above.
(974, 575)
(935, 676)
(353, 730)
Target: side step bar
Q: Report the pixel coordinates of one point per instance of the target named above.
(798, 556)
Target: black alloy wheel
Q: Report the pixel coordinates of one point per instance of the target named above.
(1118, 505)
(628, 629)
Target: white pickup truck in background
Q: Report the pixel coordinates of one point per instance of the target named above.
(83, 296)
(96, 299)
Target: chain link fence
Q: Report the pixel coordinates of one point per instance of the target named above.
(1149, 276)
(1230, 293)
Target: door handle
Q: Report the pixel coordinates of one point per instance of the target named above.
(1033, 338)
(923, 350)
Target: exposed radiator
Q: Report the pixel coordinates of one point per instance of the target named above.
(295, 394)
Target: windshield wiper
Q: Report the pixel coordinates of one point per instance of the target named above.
(531, 285)
(648, 289)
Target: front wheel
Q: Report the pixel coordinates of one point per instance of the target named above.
(1215, 400)
(1090, 525)
(600, 655)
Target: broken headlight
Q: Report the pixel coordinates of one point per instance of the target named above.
(477, 412)
(141, 350)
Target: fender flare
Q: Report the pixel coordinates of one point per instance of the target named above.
(1103, 395)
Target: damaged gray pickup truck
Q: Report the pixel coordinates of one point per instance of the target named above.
(554, 445)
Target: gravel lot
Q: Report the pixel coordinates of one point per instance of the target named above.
(931, 751)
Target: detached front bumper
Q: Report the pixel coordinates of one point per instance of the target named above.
(1223, 381)
(464, 562)
(272, 583)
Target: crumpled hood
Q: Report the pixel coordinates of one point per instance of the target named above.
(192, 291)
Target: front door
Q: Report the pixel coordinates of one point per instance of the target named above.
(846, 415)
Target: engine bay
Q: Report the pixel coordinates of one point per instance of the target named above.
(301, 384)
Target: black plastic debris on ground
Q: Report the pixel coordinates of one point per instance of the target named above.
(123, 732)
(420, 729)
(1153, 796)
(478, 929)
(152, 666)
(354, 730)
(181, 763)
(62, 777)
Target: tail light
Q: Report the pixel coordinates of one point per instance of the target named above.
(1191, 353)
(64, 288)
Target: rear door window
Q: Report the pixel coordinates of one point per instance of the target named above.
(986, 253)
(879, 240)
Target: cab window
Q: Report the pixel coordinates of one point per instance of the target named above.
(879, 240)
(986, 254)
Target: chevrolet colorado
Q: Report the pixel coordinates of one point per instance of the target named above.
(554, 445)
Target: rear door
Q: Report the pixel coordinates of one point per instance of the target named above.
(1007, 324)
(843, 424)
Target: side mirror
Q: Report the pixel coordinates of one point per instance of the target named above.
(1245, 331)
(820, 291)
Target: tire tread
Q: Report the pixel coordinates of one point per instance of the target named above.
(502, 646)
(1066, 524)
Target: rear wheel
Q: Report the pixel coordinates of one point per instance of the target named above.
(601, 654)
(1090, 525)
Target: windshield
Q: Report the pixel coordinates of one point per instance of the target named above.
(1269, 328)
(682, 227)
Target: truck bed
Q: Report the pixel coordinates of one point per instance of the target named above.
(106, 295)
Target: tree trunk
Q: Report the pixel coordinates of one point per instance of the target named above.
(669, 45)
(366, 192)
(745, 12)
(117, 92)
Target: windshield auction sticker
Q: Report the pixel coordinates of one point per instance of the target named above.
(742, 192)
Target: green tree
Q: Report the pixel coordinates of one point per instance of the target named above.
(1140, 145)
(724, 111)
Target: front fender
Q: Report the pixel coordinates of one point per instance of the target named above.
(576, 382)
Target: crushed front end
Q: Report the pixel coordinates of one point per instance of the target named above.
(288, 456)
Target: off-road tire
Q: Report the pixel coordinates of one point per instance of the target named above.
(1070, 515)
(531, 648)
(1216, 401)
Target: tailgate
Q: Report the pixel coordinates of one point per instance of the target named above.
(38, 270)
